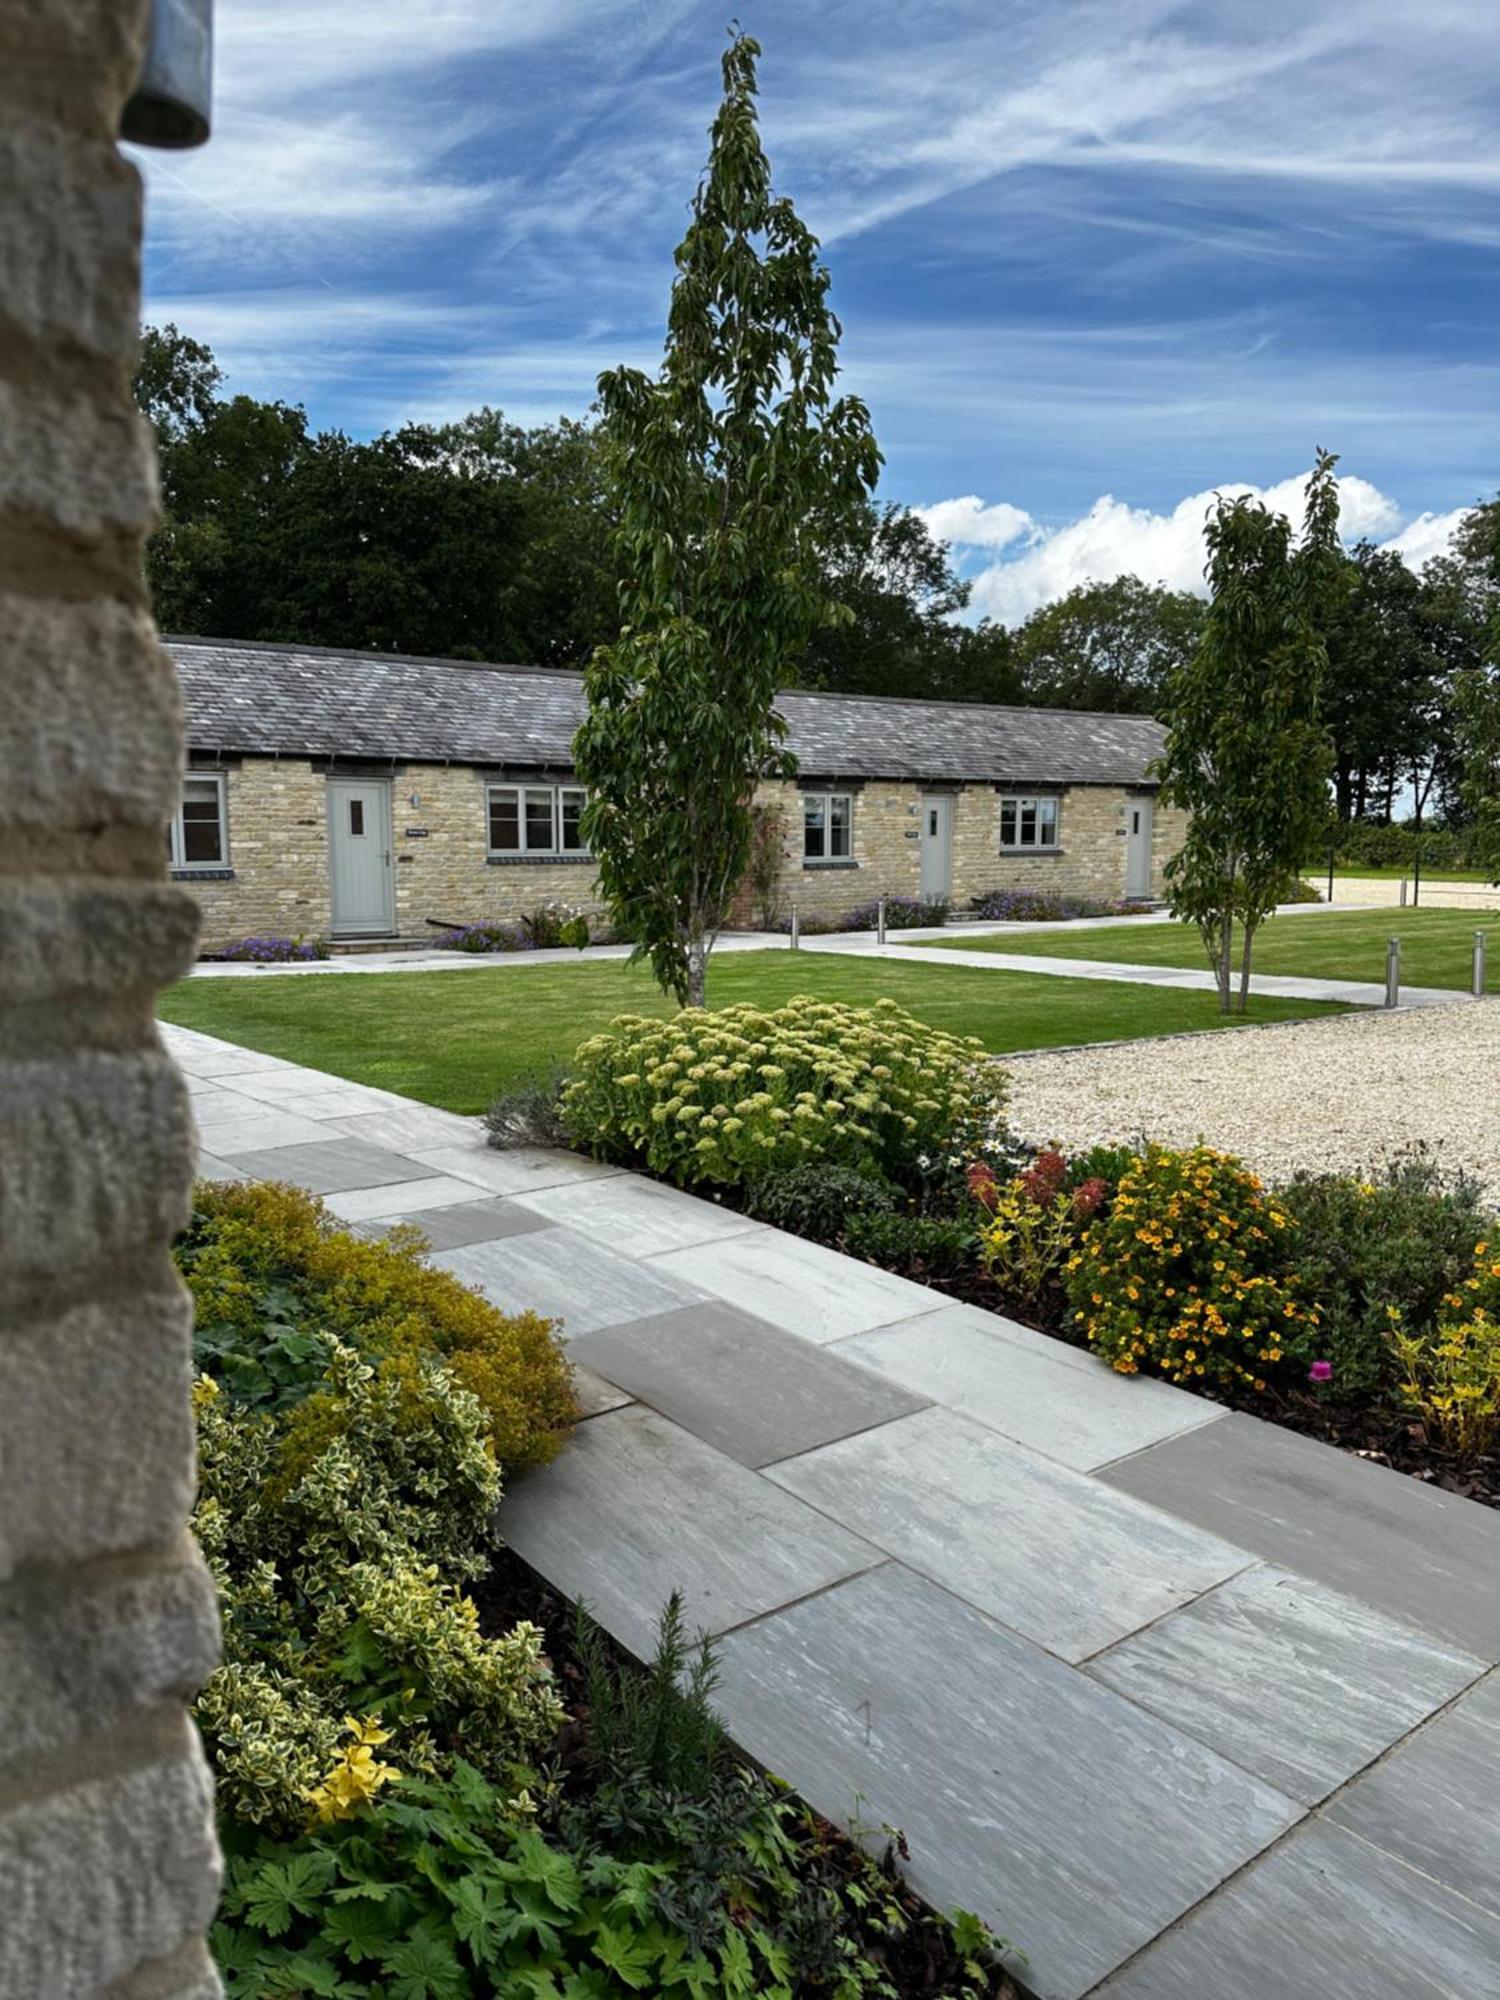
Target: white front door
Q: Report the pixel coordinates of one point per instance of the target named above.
(937, 846)
(359, 857)
(1138, 847)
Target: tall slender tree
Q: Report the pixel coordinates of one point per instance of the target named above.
(1246, 753)
(725, 470)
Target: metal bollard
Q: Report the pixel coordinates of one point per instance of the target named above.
(1478, 983)
(880, 921)
(796, 929)
(1403, 892)
(1393, 973)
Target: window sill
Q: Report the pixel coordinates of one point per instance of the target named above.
(1031, 853)
(201, 874)
(537, 860)
(811, 867)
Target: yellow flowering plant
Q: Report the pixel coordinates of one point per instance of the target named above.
(1188, 1276)
(1451, 1378)
(357, 1774)
(732, 1095)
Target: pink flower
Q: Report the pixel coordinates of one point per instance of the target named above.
(1321, 1371)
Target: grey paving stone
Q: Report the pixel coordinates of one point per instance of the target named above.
(638, 1217)
(594, 1395)
(1032, 1390)
(291, 1089)
(748, 1388)
(1326, 1917)
(466, 1221)
(636, 1508)
(259, 1130)
(409, 1127)
(1426, 1557)
(562, 1275)
(208, 1168)
(399, 1201)
(812, 1292)
(1046, 1550)
(1298, 1683)
(1435, 1802)
(1076, 1824)
(515, 1172)
(330, 1166)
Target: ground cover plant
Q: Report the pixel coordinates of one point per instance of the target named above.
(457, 1039)
(1436, 945)
(271, 951)
(1041, 906)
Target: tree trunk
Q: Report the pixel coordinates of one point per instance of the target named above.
(697, 969)
(1246, 948)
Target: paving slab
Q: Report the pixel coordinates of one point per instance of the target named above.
(640, 1218)
(811, 1291)
(1427, 1557)
(464, 1220)
(330, 1166)
(1296, 1682)
(407, 1127)
(1435, 1802)
(1077, 1825)
(1325, 1917)
(209, 1168)
(1032, 1389)
(1048, 1551)
(519, 1170)
(402, 1201)
(289, 1089)
(748, 1388)
(259, 1130)
(563, 1276)
(636, 1507)
(594, 1395)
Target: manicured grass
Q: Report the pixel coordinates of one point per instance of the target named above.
(457, 1038)
(1436, 945)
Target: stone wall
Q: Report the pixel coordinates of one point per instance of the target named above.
(107, 1616)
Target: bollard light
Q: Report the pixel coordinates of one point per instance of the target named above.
(1393, 973)
(796, 936)
(1478, 983)
(880, 921)
(169, 106)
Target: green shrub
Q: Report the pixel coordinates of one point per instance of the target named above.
(818, 1201)
(529, 1113)
(915, 1246)
(275, 1280)
(734, 1095)
(1451, 1377)
(1399, 1241)
(1190, 1274)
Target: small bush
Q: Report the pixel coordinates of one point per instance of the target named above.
(1040, 906)
(1451, 1377)
(550, 926)
(486, 937)
(734, 1095)
(1188, 1275)
(902, 913)
(528, 1114)
(274, 1279)
(1030, 1225)
(923, 1247)
(1400, 1241)
(270, 951)
(818, 1201)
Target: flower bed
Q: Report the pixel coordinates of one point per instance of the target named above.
(269, 951)
(1041, 906)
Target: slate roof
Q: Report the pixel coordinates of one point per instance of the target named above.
(301, 701)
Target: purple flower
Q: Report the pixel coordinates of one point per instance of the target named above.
(1321, 1371)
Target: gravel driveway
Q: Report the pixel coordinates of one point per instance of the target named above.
(1341, 1093)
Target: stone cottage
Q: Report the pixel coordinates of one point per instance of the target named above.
(364, 797)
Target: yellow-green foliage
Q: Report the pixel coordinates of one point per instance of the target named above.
(338, 1560)
(1188, 1275)
(259, 1249)
(1452, 1376)
(733, 1094)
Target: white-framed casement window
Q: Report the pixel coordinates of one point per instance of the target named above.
(827, 826)
(536, 820)
(1028, 824)
(198, 836)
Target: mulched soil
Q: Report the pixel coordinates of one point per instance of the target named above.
(921, 1964)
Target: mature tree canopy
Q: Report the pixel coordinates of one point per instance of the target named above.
(1111, 646)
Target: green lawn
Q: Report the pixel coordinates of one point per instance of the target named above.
(1436, 945)
(457, 1038)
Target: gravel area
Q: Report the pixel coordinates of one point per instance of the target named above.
(1384, 892)
(1341, 1093)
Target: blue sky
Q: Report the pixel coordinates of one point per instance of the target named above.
(1094, 258)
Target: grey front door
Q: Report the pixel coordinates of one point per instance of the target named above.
(937, 845)
(359, 857)
(1138, 847)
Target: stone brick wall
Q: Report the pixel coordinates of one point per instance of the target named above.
(107, 1617)
(277, 814)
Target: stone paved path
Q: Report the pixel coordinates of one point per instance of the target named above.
(1188, 1707)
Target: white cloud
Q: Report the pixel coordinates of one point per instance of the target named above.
(1114, 539)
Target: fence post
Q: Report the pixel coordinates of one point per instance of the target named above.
(796, 929)
(1478, 984)
(880, 921)
(1393, 973)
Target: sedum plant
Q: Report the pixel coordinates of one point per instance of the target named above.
(1451, 1377)
(744, 1092)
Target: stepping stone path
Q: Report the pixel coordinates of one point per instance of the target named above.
(1185, 1706)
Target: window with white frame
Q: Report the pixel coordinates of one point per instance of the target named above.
(536, 820)
(198, 836)
(827, 826)
(1028, 823)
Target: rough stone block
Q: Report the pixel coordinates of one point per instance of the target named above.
(84, 469)
(95, 1157)
(107, 1874)
(189, 1974)
(92, 937)
(92, 716)
(71, 61)
(96, 1436)
(69, 228)
(76, 1660)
